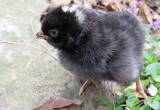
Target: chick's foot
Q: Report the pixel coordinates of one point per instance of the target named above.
(88, 83)
(139, 89)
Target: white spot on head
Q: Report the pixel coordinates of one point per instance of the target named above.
(73, 8)
(69, 8)
(78, 12)
(65, 8)
(88, 5)
(80, 16)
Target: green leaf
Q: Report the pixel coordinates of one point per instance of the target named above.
(119, 98)
(155, 105)
(150, 56)
(100, 101)
(157, 84)
(129, 92)
(119, 107)
(153, 102)
(145, 83)
(153, 69)
(156, 77)
(145, 107)
(157, 98)
(132, 101)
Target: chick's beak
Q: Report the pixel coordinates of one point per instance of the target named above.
(40, 35)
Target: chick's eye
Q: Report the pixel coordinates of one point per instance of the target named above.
(53, 33)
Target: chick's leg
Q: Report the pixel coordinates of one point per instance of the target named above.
(87, 83)
(139, 88)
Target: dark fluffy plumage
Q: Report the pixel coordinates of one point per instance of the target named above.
(96, 45)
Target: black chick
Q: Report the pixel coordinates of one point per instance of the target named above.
(95, 45)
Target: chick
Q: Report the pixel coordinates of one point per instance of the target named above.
(96, 45)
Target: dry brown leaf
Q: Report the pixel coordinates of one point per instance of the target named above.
(132, 2)
(148, 14)
(101, 108)
(54, 103)
(154, 15)
(114, 6)
(156, 31)
(106, 2)
(144, 12)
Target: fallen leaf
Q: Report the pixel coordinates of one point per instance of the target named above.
(144, 12)
(157, 31)
(101, 108)
(54, 103)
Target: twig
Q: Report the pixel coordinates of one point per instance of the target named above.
(43, 51)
